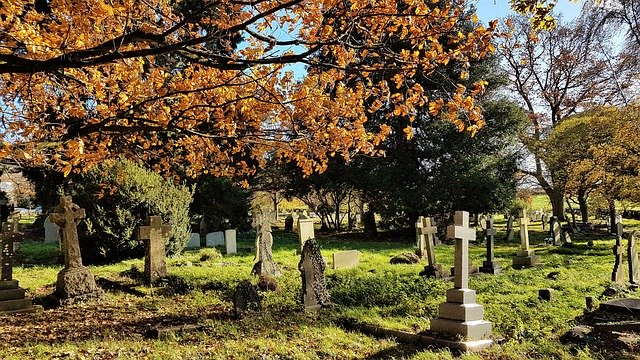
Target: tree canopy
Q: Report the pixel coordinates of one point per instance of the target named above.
(201, 86)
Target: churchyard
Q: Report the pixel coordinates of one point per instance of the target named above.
(189, 313)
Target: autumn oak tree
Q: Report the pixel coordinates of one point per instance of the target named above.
(202, 86)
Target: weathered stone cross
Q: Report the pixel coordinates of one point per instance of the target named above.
(489, 233)
(154, 235)
(424, 232)
(618, 251)
(524, 231)
(462, 233)
(67, 216)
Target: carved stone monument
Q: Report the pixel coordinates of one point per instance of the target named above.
(288, 223)
(155, 236)
(525, 257)
(425, 232)
(618, 251)
(461, 315)
(75, 282)
(312, 266)
(305, 229)
(510, 232)
(490, 266)
(230, 243)
(12, 296)
(264, 255)
(555, 231)
(632, 256)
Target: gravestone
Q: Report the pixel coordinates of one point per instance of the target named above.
(214, 239)
(75, 282)
(312, 266)
(51, 231)
(510, 232)
(543, 218)
(264, 255)
(230, 244)
(461, 315)
(155, 236)
(618, 251)
(425, 232)
(566, 238)
(305, 230)
(246, 298)
(555, 231)
(525, 257)
(491, 265)
(12, 296)
(346, 259)
(288, 223)
(618, 219)
(194, 241)
(632, 256)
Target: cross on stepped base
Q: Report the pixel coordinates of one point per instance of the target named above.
(525, 257)
(461, 315)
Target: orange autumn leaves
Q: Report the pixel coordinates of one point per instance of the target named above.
(205, 87)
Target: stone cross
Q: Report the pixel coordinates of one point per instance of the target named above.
(490, 265)
(67, 216)
(524, 231)
(424, 234)
(462, 233)
(618, 252)
(154, 234)
(632, 255)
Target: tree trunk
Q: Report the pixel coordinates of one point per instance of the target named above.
(337, 215)
(573, 215)
(557, 204)
(612, 215)
(274, 198)
(582, 202)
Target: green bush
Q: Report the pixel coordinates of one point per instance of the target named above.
(117, 197)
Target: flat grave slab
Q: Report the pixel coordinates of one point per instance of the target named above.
(623, 306)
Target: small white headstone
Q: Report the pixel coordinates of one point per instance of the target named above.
(51, 232)
(305, 230)
(346, 259)
(194, 241)
(230, 241)
(215, 239)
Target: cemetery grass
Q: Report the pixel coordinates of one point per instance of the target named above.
(200, 284)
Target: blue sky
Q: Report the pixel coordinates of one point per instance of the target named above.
(492, 9)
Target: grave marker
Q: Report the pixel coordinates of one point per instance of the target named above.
(75, 282)
(155, 236)
(618, 252)
(346, 259)
(632, 256)
(555, 231)
(230, 241)
(312, 266)
(510, 232)
(525, 257)
(194, 241)
(544, 221)
(425, 231)
(461, 315)
(12, 297)
(288, 223)
(51, 231)
(264, 256)
(491, 265)
(214, 239)
(305, 229)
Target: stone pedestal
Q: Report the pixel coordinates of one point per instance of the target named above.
(525, 258)
(12, 299)
(76, 284)
(490, 267)
(461, 315)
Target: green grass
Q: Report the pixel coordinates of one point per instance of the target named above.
(391, 296)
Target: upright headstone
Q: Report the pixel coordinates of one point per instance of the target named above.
(194, 241)
(312, 266)
(12, 297)
(618, 251)
(51, 231)
(346, 259)
(490, 266)
(214, 239)
(544, 221)
(632, 256)
(618, 221)
(230, 241)
(510, 232)
(461, 315)
(305, 229)
(555, 231)
(288, 223)
(75, 282)
(155, 236)
(264, 255)
(525, 257)
(425, 232)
